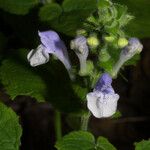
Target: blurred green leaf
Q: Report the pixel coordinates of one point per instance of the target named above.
(84, 141)
(10, 130)
(133, 60)
(3, 41)
(73, 15)
(104, 144)
(117, 114)
(19, 80)
(139, 27)
(143, 145)
(50, 11)
(76, 140)
(80, 91)
(19, 7)
(74, 5)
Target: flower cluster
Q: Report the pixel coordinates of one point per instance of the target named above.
(102, 102)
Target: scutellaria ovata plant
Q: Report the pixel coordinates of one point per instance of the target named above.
(102, 34)
(101, 48)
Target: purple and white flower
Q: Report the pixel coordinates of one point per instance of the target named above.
(79, 45)
(102, 102)
(134, 47)
(50, 44)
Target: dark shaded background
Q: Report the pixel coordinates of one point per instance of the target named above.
(37, 118)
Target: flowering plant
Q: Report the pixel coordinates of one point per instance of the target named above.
(73, 52)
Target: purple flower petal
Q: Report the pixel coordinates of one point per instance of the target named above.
(104, 84)
(54, 45)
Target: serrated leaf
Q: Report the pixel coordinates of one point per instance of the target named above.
(104, 144)
(139, 27)
(50, 11)
(122, 15)
(10, 130)
(19, 80)
(19, 7)
(76, 140)
(143, 145)
(73, 15)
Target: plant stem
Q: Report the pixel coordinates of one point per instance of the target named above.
(117, 67)
(84, 121)
(58, 130)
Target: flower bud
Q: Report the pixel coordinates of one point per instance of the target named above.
(122, 42)
(93, 41)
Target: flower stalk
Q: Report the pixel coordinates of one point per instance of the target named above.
(84, 121)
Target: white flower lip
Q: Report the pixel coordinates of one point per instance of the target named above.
(38, 56)
(102, 105)
(102, 102)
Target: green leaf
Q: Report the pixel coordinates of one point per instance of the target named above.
(104, 144)
(143, 145)
(139, 27)
(3, 43)
(50, 11)
(73, 15)
(19, 7)
(80, 91)
(82, 140)
(117, 115)
(20, 80)
(10, 130)
(78, 140)
(74, 5)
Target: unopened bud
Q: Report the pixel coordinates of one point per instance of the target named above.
(122, 42)
(93, 41)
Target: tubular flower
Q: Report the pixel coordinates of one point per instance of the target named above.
(54, 45)
(134, 47)
(50, 44)
(102, 102)
(79, 45)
